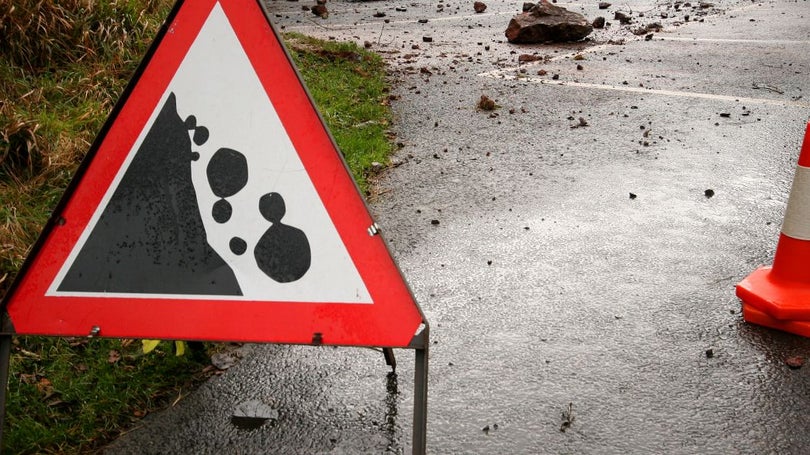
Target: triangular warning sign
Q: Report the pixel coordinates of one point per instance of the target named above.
(214, 205)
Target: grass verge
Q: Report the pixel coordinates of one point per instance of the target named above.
(62, 66)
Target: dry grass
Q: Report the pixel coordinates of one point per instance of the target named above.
(42, 34)
(63, 64)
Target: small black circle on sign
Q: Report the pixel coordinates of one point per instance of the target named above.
(222, 211)
(238, 246)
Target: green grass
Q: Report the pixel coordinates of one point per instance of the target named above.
(348, 84)
(60, 75)
(71, 395)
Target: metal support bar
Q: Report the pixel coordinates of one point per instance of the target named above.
(420, 396)
(5, 358)
(390, 360)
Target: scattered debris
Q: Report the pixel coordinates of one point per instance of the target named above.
(770, 88)
(582, 122)
(654, 27)
(567, 417)
(623, 19)
(253, 414)
(486, 104)
(795, 362)
(525, 58)
(113, 356)
(225, 360)
(545, 22)
(479, 7)
(320, 10)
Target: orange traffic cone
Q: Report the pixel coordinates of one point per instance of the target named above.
(779, 296)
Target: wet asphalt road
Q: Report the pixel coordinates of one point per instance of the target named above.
(548, 287)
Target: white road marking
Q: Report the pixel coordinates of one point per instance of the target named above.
(733, 40)
(647, 91)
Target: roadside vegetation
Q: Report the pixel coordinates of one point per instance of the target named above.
(63, 65)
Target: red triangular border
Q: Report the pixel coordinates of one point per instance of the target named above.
(391, 320)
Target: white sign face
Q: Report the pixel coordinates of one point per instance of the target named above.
(248, 199)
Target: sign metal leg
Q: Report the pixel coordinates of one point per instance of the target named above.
(390, 360)
(420, 385)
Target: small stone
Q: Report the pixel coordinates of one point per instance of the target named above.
(599, 22)
(486, 103)
(434, 222)
(709, 353)
(223, 360)
(379, 14)
(604, 5)
(623, 19)
(422, 21)
(320, 11)
(427, 39)
(479, 7)
(708, 193)
(633, 195)
(795, 362)
(524, 58)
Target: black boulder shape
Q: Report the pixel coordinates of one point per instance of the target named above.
(227, 172)
(150, 237)
(283, 252)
